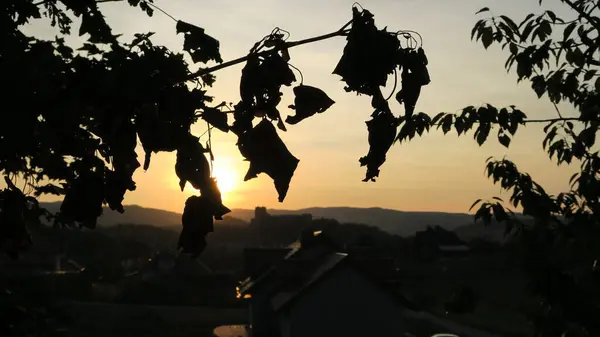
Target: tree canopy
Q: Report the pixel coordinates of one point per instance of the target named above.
(81, 112)
(76, 117)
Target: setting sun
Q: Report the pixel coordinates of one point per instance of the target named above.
(225, 176)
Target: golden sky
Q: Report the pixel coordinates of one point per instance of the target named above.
(432, 173)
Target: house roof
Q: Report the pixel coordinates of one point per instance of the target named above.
(304, 267)
(287, 297)
(301, 258)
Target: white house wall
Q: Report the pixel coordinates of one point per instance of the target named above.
(345, 303)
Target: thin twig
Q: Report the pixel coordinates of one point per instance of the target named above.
(531, 121)
(584, 14)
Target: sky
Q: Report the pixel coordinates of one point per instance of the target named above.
(431, 173)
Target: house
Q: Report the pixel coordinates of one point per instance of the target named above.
(453, 251)
(316, 290)
(274, 229)
(259, 260)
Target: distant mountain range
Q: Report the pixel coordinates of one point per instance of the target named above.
(392, 221)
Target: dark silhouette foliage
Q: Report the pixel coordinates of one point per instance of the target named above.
(80, 112)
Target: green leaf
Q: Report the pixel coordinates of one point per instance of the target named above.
(589, 74)
(488, 37)
(597, 85)
(527, 18)
(527, 30)
(447, 123)
(477, 27)
(514, 49)
(484, 9)
(499, 212)
(474, 204)
(569, 29)
(503, 138)
(510, 23)
(437, 118)
(482, 133)
(588, 136)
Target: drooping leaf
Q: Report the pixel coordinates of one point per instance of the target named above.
(382, 132)
(201, 47)
(14, 235)
(267, 153)
(192, 165)
(308, 101)
(369, 56)
(83, 201)
(216, 118)
(197, 222)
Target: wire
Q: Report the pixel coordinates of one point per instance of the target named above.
(299, 72)
(161, 10)
(409, 33)
(358, 5)
(395, 84)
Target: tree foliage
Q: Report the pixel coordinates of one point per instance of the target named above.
(81, 112)
(560, 59)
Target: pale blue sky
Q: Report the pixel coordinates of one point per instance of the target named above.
(436, 172)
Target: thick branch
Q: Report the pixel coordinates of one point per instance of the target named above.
(287, 45)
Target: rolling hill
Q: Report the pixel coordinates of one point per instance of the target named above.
(392, 221)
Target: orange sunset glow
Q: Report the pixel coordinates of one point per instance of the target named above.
(434, 172)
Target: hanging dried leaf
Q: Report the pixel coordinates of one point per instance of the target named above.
(242, 118)
(211, 192)
(14, 236)
(382, 131)
(83, 201)
(115, 188)
(369, 55)
(250, 81)
(200, 46)
(268, 154)
(197, 221)
(419, 66)
(260, 87)
(414, 76)
(409, 94)
(308, 101)
(192, 165)
(216, 118)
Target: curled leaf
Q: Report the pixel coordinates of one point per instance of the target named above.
(200, 46)
(409, 94)
(216, 118)
(369, 55)
(14, 235)
(197, 222)
(83, 200)
(382, 132)
(268, 154)
(192, 165)
(308, 101)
